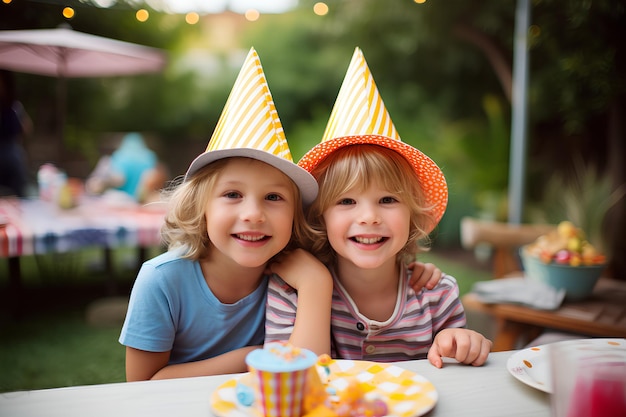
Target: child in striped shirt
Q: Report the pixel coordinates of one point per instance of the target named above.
(370, 214)
(378, 199)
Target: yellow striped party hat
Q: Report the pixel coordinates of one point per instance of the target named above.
(249, 127)
(359, 109)
(359, 116)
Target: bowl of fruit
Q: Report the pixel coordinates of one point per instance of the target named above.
(563, 258)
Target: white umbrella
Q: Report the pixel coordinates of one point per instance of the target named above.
(65, 53)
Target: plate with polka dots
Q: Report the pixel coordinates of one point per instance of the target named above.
(532, 365)
(406, 393)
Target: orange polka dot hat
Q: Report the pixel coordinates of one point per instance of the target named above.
(360, 117)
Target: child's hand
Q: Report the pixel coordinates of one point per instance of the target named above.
(424, 275)
(464, 345)
(298, 266)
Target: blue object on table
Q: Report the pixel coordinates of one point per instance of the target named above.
(245, 394)
(576, 281)
(132, 159)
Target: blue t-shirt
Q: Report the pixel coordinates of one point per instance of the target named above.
(172, 308)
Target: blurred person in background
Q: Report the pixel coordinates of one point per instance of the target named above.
(14, 125)
(132, 168)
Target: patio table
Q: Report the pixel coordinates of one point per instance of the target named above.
(486, 391)
(37, 227)
(603, 314)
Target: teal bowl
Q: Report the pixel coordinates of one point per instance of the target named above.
(578, 281)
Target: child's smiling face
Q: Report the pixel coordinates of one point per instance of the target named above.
(250, 212)
(367, 227)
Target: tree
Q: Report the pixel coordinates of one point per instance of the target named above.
(447, 59)
(443, 69)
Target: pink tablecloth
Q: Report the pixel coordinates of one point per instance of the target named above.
(32, 226)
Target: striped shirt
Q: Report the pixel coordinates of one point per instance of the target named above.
(406, 335)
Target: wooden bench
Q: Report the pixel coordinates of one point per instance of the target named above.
(504, 238)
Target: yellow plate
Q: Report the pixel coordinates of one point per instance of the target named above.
(406, 393)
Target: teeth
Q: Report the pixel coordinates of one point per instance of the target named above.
(368, 240)
(251, 238)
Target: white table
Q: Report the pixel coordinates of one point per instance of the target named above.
(463, 390)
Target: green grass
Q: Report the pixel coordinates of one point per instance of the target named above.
(59, 350)
(465, 275)
(52, 345)
(49, 343)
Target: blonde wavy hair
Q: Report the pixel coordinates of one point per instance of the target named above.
(356, 167)
(185, 224)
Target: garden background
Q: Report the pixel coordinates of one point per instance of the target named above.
(444, 71)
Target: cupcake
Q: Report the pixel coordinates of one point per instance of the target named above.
(281, 375)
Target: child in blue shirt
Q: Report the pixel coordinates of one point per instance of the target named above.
(199, 308)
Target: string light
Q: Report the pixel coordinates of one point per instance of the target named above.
(320, 9)
(192, 18)
(142, 15)
(252, 15)
(68, 12)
